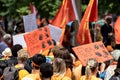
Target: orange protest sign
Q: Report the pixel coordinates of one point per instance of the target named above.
(38, 40)
(95, 50)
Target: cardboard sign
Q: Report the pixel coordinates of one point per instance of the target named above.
(38, 40)
(30, 22)
(95, 50)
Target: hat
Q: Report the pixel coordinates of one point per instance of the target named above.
(7, 52)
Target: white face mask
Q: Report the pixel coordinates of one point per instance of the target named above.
(9, 41)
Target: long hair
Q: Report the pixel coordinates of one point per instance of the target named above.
(65, 55)
(91, 66)
(59, 67)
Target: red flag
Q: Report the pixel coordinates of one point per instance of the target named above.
(83, 36)
(94, 12)
(33, 9)
(117, 31)
(65, 14)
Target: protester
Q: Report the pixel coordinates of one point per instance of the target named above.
(59, 70)
(15, 49)
(3, 45)
(116, 75)
(107, 31)
(8, 40)
(37, 60)
(46, 71)
(113, 64)
(91, 70)
(65, 55)
(3, 65)
(22, 58)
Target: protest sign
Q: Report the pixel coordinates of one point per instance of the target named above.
(95, 50)
(55, 32)
(39, 39)
(30, 22)
(19, 39)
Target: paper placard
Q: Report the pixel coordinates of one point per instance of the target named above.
(19, 39)
(95, 50)
(38, 40)
(30, 22)
(55, 32)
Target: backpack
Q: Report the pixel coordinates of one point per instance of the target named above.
(11, 73)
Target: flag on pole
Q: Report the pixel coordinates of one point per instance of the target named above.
(66, 13)
(83, 36)
(117, 31)
(33, 9)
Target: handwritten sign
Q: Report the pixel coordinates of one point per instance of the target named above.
(95, 50)
(38, 40)
(30, 22)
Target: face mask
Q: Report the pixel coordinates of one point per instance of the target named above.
(9, 41)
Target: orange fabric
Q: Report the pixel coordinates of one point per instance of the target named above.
(83, 36)
(22, 74)
(38, 22)
(92, 78)
(45, 53)
(117, 31)
(94, 12)
(32, 77)
(77, 69)
(64, 15)
(77, 63)
(54, 77)
(68, 73)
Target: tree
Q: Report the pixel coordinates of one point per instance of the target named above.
(17, 8)
(106, 6)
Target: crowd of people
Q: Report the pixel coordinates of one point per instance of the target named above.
(59, 62)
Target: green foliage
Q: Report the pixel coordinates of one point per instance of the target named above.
(17, 8)
(48, 8)
(23, 10)
(109, 6)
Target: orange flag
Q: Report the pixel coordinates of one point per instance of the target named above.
(83, 36)
(66, 13)
(117, 31)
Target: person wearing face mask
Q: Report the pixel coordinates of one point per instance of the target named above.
(8, 40)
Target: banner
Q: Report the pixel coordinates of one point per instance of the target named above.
(38, 40)
(95, 50)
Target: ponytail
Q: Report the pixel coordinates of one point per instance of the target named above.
(88, 72)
